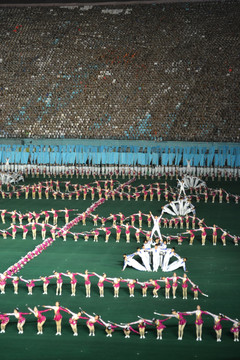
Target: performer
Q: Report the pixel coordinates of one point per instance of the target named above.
(116, 285)
(109, 328)
(30, 284)
(3, 281)
(91, 323)
(127, 232)
(108, 233)
(181, 321)
(73, 320)
(131, 286)
(34, 230)
(118, 232)
(235, 329)
(140, 218)
(167, 286)
(181, 262)
(144, 287)
(127, 328)
(57, 317)
(185, 281)
(25, 231)
(4, 321)
(43, 230)
(204, 234)
(156, 221)
(46, 282)
(160, 327)
(145, 257)
(223, 238)
(72, 276)
(20, 319)
(217, 324)
(41, 319)
(142, 327)
(58, 276)
(156, 257)
(174, 284)
(86, 277)
(101, 283)
(15, 282)
(181, 188)
(156, 287)
(192, 236)
(129, 261)
(168, 254)
(199, 321)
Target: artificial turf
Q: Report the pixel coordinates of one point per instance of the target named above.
(214, 269)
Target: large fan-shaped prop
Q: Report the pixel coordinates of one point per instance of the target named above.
(180, 207)
(11, 178)
(192, 182)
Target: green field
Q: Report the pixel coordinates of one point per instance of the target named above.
(215, 269)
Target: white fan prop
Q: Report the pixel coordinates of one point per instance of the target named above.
(180, 207)
(192, 182)
(10, 178)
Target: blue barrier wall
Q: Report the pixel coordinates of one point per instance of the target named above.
(50, 151)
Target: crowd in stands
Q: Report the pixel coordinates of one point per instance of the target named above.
(163, 72)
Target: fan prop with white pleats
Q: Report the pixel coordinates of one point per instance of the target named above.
(11, 178)
(192, 182)
(179, 207)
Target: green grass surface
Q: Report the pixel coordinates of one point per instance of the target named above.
(214, 269)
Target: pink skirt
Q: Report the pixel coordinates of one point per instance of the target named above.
(72, 322)
(57, 317)
(41, 318)
(161, 326)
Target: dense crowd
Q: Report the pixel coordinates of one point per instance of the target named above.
(166, 72)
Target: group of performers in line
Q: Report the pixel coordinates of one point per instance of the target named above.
(142, 323)
(124, 171)
(107, 189)
(170, 282)
(119, 222)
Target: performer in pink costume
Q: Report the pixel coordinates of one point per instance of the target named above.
(86, 277)
(57, 317)
(41, 319)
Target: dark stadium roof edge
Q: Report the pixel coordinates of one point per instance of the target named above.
(23, 3)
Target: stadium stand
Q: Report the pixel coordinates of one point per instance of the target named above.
(163, 72)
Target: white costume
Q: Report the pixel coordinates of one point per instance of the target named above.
(145, 259)
(176, 265)
(168, 254)
(156, 257)
(182, 188)
(156, 227)
(129, 261)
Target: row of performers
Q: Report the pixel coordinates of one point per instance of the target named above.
(171, 282)
(110, 327)
(83, 192)
(125, 171)
(99, 185)
(56, 231)
(53, 214)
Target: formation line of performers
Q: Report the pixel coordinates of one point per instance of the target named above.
(124, 170)
(169, 283)
(107, 189)
(44, 215)
(119, 221)
(142, 323)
